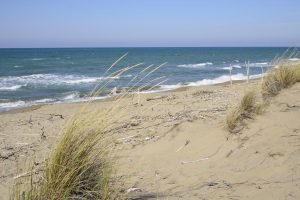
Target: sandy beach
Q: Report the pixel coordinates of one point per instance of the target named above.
(174, 145)
(145, 100)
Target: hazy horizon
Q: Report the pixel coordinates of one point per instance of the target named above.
(169, 23)
(133, 47)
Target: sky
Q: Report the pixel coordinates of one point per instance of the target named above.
(149, 23)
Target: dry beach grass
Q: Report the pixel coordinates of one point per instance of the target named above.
(284, 76)
(82, 166)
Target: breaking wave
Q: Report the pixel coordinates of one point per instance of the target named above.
(222, 79)
(197, 65)
(233, 66)
(11, 88)
(261, 64)
(16, 82)
(294, 59)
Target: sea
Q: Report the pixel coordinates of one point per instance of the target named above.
(64, 75)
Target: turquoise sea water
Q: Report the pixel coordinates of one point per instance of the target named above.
(37, 76)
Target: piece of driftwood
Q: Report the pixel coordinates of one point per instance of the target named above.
(56, 115)
(22, 175)
(185, 144)
(28, 173)
(134, 189)
(155, 98)
(129, 137)
(211, 110)
(201, 159)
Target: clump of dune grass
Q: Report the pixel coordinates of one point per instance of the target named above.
(245, 109)
(248, 101)
(233, 119)
(279, 78)
(296, 69)
(260, 107)
(82, 165)
(24, 187)
(284, 76)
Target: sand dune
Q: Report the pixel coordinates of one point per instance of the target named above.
(173, 145)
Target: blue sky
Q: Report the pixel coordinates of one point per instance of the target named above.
(137, 23)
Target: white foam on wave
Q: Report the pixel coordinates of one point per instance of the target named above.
(83, 80)
(39, 101)
(294, 59)
(237, 66)
(74, 97)
(23, 104)
(49, 79)
(233, 66)
(222, 79)
(18, 66)
(11, 88)
(218, 80)
(38, 59)
(226, 68)
(70, 96)
(11, 105)
(170, 87)
(261, 64)
(197, 65)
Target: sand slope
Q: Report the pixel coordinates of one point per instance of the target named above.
(263, 162)
(173, 145)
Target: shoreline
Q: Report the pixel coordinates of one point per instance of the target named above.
(110, 98)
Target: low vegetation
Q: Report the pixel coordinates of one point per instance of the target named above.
(277, 79)
(81, 166)
(233, 118)
(245, 109)
(284, 76)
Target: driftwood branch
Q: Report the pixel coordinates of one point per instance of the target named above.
(180, 148)
(126, 138)
(201, 159)
(22, 175)
(56, 115)
(156, 98)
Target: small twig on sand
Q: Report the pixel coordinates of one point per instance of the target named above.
(125, 138)
(211, 110)
(56, 115)
(22, 143)
(22, 175)
(186, 143)
(156, 98)
(43, 136)
(201, 159)
(29, 173)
